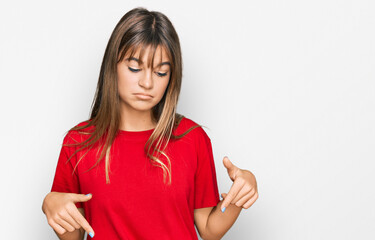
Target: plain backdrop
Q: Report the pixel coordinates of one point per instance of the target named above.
(286, 89)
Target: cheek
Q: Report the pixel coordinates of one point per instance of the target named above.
(125, 80)
(162, 88)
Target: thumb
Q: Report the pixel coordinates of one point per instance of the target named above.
(227, 163)
(224, 195)
(231, 168)
(81, 197)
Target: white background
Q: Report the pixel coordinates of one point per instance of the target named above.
(286, 89)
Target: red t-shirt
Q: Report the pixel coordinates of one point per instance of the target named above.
(136, 204)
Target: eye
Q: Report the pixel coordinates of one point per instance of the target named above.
(161, 74)
(134, 69)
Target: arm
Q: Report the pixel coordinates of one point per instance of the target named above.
(242, 194)
(77, 234)
(212, 224)
(218, 223)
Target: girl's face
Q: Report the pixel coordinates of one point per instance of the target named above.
(141, 88)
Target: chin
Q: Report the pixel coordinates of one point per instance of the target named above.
(143, 107)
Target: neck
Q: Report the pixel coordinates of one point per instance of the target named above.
(132, 120)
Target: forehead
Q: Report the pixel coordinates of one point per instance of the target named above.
(155, 55)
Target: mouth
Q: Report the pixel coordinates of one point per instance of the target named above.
(143, 96)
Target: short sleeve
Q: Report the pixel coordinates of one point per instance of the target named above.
(65, 180)
(206, 189)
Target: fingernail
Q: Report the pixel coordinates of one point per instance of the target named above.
(88, 194)
(223, 209)
(91, 234)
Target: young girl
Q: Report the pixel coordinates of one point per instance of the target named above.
(149, 171)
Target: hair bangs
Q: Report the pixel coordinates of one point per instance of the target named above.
(141, 47)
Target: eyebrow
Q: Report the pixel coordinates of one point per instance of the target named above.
(141, 62)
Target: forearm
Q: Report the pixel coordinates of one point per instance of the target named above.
(218, 223)
(78, 234)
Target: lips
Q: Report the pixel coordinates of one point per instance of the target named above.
(143, 94)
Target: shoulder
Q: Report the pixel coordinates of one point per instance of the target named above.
(78, 132)
(197, 137)
(192, 128)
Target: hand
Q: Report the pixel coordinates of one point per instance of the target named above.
(62, 213)
(244, 190)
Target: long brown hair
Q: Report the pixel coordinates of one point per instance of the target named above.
(137, 29)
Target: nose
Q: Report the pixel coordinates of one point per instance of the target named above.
(146, 80)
